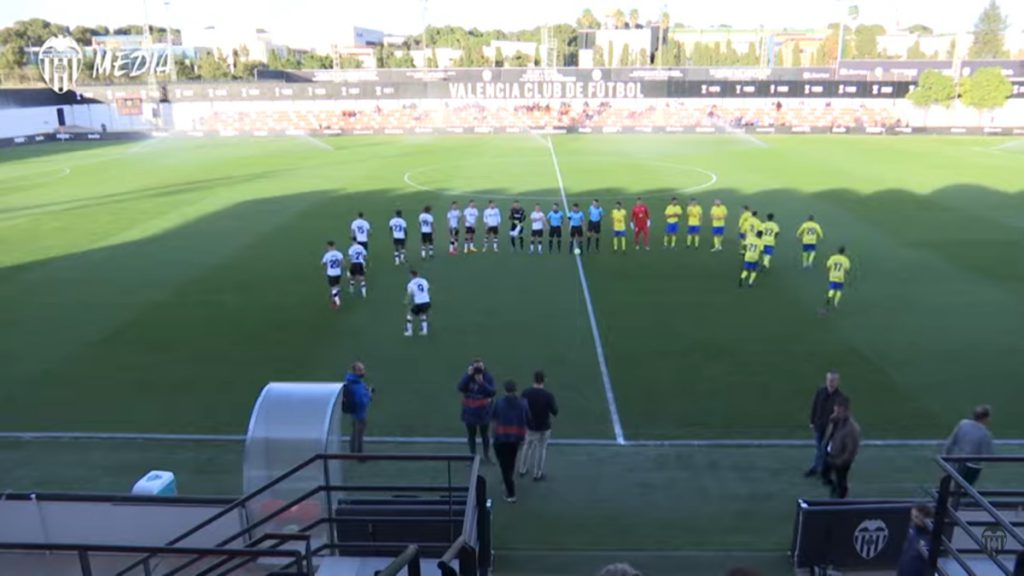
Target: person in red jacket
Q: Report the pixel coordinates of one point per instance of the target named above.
(641, 223)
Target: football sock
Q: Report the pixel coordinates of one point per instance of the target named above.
(362, 288)
(673, 241)
(752, 276)
(588, 244)
(839, 296)
(810, 258)
(597, 243)
(696, 241)
(408, 324)
(423, 326)
(767, 262)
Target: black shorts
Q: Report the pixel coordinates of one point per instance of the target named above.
(365, 244)
(333, 281)
(576, 232)
(517, 228)
(399, 242)
(492, 230)
(555, 232)
(470, 230)
(594, 227)
(356, 269)
(537, 233)
(420, 309)
(427, 237)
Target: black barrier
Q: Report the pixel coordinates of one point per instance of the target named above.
(71, 137)
(850, 534)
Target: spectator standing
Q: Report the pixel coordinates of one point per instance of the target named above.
(356, 399)
(542, 407)
(914, 557)
(821, 411)
(971, 437)
(510, 417)
(477, 389)
(842, 440)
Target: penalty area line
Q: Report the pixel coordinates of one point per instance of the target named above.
(609, 394)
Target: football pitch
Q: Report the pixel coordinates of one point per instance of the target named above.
(155, 287)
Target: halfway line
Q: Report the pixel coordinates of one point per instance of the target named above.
(620, 438)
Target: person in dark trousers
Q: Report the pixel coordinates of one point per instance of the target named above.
(542, 407)
(477, 389)
(842, 440)
(914, 557)
(510, 417)
(971, 437)
(361, 396)
(821, 410)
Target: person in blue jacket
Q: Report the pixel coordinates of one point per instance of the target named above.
(361, 396)
(477, 389)
(511, 414)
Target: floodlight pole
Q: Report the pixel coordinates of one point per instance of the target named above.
(839, 51)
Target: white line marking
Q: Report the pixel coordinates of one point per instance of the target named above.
(315, 142)
(620, 438)
(679, 443)
(408, 180)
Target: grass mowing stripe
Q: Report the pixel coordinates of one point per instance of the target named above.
(606, 379)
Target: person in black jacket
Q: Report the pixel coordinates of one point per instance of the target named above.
(477, 389)
(538, 430)
(914, 557)
(510, 417)
(821, 411)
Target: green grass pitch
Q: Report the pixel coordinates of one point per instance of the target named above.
(156, 287)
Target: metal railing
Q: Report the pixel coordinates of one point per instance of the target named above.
(409, 559)
(469, 521)
(86, 553)
(953, 490)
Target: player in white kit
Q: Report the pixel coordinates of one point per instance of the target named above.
(537, 220)
(398, 228)
(357, 269)
(426, 233)
(470, 215)
(492, 219)
(333, 261)
(418, 295)
(361, 232)
(454, 215)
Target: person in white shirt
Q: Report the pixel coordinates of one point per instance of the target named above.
(426, 233)
(492, 219)
(361, 232)
(332, 262)
(398, 227)
(357, 269)
(470, 214)
(418, 295)
(454, 215)
(537, 221)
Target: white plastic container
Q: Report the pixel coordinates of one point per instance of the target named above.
(156, 483)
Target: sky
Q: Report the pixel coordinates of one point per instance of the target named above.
(296, 21)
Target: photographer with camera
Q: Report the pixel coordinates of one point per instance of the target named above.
(477, 389)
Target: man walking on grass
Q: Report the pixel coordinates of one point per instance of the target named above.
(542, 407)
(821, 410)
(842, 441)
(510, 418)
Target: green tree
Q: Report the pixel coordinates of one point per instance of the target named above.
(185, 69)
(750, 57)
(681, 58)
(84, 34)
(536, 56)
(828, 52)
(865, 40)
(13, 56)
(347, 61)
(499, 58)
(599, 57)
(432, 59)
(951, 51)
(777, 58)
(244, 70)
(986, 89)
(920, 30)
(988, 33)
(933, 88)
(915, 52)
(796, 56)
(588, 21)
(634, 18)
(311, 61)
(626, 57)
(643, 58)
(519, 60)
(610, 56)
(211, 67)
(403, 60)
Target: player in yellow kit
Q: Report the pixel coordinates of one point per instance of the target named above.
(809, 234)
(752, 225)
(838, 266)
(694, 215)
(619, 216)
(744, 216)
(673, 212)
(718, 215)
(771, 231)
(751, 257)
